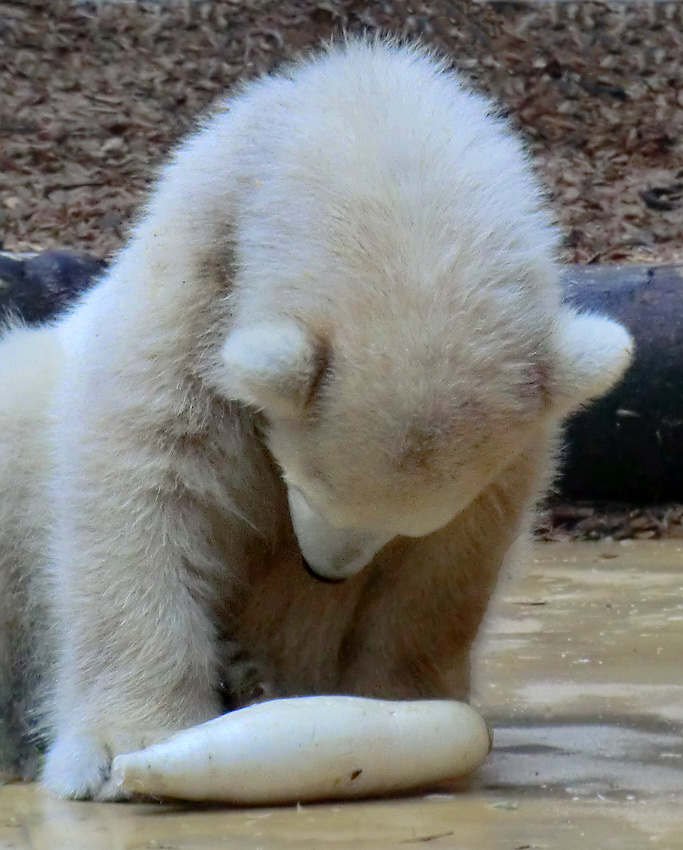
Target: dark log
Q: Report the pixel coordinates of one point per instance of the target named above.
(628, 446)
(37, 288)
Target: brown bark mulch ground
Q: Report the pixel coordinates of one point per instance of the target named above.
(599, 521)
(92, 96)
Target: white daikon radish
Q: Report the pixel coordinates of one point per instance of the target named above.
(311, 748)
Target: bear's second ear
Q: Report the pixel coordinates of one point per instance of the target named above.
(592, 352)
(270, 365)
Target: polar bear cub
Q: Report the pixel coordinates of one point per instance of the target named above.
(335, 338)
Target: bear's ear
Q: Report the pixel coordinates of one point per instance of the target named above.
(270, 365)
(592, 352)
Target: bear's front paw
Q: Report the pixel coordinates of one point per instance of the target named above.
(242, 680)
(78, 766)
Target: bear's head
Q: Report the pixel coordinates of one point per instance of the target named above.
(392, 426)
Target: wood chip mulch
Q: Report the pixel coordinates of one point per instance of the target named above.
(599, 521)
(93, 95)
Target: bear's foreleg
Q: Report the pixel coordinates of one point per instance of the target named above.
(132, 602)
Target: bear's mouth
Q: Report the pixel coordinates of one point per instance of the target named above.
(324, 579)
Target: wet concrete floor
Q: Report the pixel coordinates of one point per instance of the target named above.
(580, 669)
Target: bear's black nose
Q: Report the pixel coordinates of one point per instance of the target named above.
(326, 579)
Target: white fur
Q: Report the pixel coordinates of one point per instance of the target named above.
(343, 287)
(269, 364)
(30, 366)
(593, 352)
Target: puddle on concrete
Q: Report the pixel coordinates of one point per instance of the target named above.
(586, 692)
(580, 671)
(586, 760)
